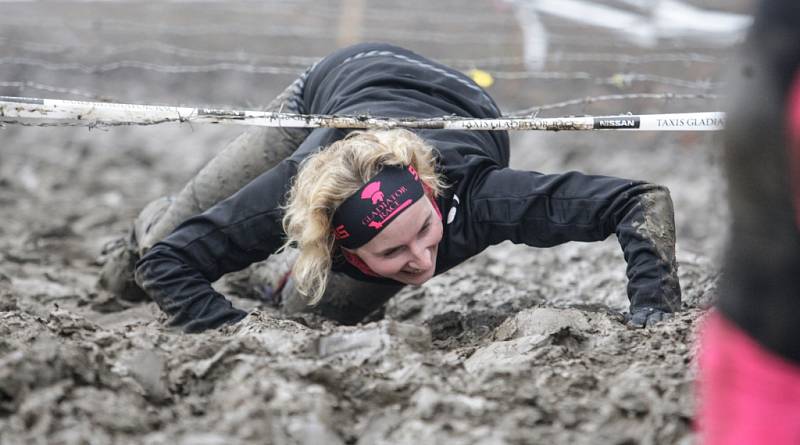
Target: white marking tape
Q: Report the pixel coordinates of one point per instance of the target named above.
(24, 110)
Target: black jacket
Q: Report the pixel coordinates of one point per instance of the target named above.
(486, 203)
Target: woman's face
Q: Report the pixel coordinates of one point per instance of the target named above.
(405, 250)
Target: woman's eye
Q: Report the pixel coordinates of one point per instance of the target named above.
(391, 253)
(424, 229)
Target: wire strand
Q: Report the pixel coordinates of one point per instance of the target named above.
(303, 61)
(52, 89)
(621, 80)
(609, 98)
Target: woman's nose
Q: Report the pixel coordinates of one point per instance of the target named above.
(422, 257)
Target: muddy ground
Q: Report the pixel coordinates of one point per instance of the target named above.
(518, 345)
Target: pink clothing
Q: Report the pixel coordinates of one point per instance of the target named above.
(748, 395)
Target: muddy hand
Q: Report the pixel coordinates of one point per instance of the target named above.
(645, 317)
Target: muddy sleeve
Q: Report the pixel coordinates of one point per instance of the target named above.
(245, 228)
(546, 210)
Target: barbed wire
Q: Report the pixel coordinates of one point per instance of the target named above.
(691, 57)
(295, 31)
(110, 50)
(620, 80)
(297, 60)
(148, 66)
(518, 113)
(404, 15)
(609, 98)
(320, 11)
(246, 62)
(593, 57)
(52, 89)
(610, 39)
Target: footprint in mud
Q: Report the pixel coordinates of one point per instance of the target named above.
(455, 329)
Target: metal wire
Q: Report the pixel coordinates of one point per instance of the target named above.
(53, 89)
(518, 113)
(609, 98)
(620, 80)
(110, 50)
(166, 69)
(295, 31)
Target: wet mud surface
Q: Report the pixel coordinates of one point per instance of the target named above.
(517, 345)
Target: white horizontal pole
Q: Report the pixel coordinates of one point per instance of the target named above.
(51, 112)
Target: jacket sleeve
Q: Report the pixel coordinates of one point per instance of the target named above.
(245, 228)
(546, 210)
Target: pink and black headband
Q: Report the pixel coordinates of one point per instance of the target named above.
(371, 208)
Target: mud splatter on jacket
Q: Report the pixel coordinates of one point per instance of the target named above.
(487, 202)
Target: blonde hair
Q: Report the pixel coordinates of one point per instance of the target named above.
(329, 177)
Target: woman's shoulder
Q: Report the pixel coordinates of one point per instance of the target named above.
(462, 153)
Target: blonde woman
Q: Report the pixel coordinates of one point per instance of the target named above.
(371, 212)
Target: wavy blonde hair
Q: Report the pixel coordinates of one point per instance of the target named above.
(329, 177)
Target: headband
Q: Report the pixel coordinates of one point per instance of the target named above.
(365, 213)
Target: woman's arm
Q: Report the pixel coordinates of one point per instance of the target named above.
(245, 228)
(546, 210)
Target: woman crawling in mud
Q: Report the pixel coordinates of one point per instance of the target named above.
(371, 212)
